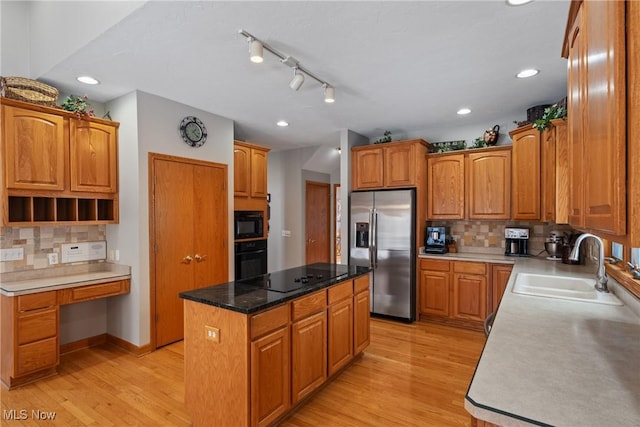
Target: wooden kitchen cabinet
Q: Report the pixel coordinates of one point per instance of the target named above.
(500, 274)
(389, 165)
(361, 314)
(555, 173)
(446, 186)
(488, 184)
(59, 169)
(250, 170)
(525, 173)
(308, 344)
(595, 48)
(340, 326)
(435, 287)
(469, 291)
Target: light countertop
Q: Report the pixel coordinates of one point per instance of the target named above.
(559, 362)
(51, 279)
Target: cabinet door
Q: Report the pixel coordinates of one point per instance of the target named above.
(361, 314)
(94, 157)
(258, 173)
(434, 293)
(367, 168)
(34, 149)
(308, 355)
(562, 173)
(241, 170)
(605, 118)
(469, 297)
(445, 181)
(489, 185)
(499, 278)
(525, 172)
(340, 333)
(270, 377)
(399, 166)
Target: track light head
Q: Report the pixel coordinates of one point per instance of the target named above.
(329, 94)
(255, 50)
(298, 79)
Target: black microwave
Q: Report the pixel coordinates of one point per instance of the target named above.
(248, 224)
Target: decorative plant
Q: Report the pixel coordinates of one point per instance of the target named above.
(479, 142)
(78, 105)
(550, 113)
(385, 138)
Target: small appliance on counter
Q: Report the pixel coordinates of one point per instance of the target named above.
(435, 241)
(554, 245)
(516, 241)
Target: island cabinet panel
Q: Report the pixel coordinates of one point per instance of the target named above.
(488, 180)
(93, 157)
(445, 197)
(361, 314)
(340, 334)
(308, 354)
(525, 173)
(270, 377)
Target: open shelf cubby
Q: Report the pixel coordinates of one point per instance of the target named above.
(44, 209)
(87, 210)
(20, 209)
(24, 210)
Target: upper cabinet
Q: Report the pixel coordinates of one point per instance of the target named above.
(489, 184)
(57, 168)
(250, 170)
(595, 48)
(389, 165)
(525, 173)
(473, 185)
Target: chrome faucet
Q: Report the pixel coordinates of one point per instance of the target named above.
(601, 275)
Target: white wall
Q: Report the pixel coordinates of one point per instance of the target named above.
(150, 124)
(14, 38)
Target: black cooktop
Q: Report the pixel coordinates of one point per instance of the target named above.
(298, 277)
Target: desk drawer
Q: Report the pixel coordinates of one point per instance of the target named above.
(99, 290)
(37, 325)
(37, 301)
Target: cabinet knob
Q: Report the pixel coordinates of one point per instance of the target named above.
(200, 258)
(187, 259)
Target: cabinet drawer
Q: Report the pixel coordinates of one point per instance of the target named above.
(37, 325)
(100, 290)
(36, 301)
(470, 267)
(434, 264)
(269, 320)
(37, 355)
(361, 284)
(305, 306)
(340, 291)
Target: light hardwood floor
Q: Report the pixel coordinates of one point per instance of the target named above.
(410, 375)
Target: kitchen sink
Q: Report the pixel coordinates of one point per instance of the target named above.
(563, 287)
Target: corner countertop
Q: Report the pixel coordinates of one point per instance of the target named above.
(245, 296)
(472, 256)
(558, 362)
(51, 279)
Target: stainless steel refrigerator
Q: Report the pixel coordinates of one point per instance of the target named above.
(381, 235)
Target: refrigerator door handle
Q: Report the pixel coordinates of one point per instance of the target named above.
(374, 229)
(371, 251)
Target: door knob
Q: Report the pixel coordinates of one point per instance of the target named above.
(187, 259)
(200, 258)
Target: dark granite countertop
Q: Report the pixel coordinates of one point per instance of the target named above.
(257, 293)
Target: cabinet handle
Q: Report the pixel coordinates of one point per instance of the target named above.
(187, 259)
(200, 258)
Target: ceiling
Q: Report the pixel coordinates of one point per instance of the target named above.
(406, 67)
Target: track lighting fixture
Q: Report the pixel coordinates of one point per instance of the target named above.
(298, 79)
(256, 47)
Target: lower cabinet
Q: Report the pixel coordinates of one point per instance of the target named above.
(340, 326)
(361, 314)
(461, 293)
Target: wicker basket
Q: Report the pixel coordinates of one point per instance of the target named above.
(28, 90)
(536, 112)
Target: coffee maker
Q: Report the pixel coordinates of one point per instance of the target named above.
(516, 241)
(435, 241)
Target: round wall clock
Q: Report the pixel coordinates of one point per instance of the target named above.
(193, 131)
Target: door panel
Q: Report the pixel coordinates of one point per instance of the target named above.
(174, 215)
(317, 223)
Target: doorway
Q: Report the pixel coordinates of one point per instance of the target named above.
(188, 237)
(337, 224)
(317, 222)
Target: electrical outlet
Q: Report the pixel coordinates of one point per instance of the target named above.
(286, 233)
(53, 258)
(212, 334)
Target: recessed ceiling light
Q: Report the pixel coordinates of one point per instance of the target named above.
(518, 2)
(463, 111)
(87, 80)
(529, 72)
(282, 123)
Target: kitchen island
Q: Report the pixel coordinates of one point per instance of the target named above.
(256, 348)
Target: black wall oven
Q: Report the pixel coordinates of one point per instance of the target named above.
(250, 258)
(248, 224)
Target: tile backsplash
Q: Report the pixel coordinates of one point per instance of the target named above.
(38, 242)
(488, 236)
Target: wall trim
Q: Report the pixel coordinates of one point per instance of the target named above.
(104, 339)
